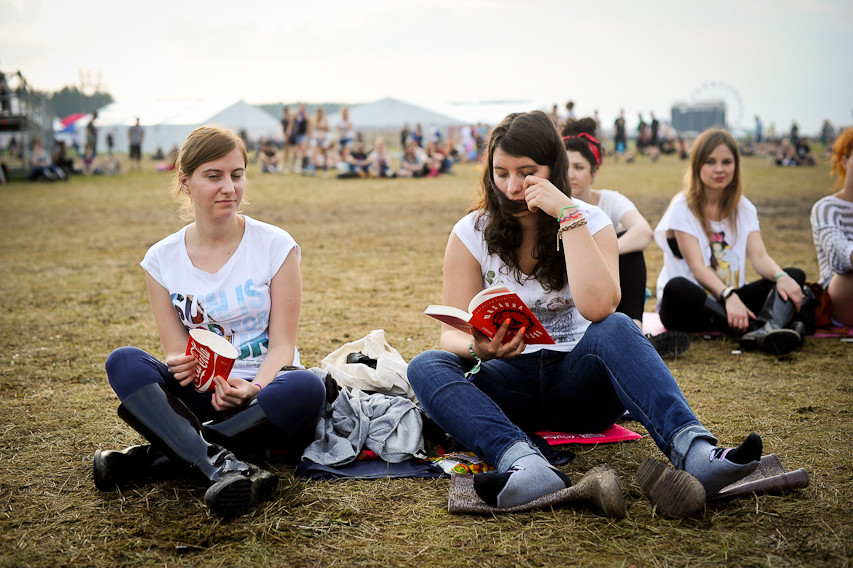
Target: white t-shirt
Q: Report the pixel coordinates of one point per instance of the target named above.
(724, 252)
(615, 205)
(235, 301)
(555, 309)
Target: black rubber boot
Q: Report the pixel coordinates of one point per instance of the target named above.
(246, 432)
(165, 421)
(716, 313)
(773, 337)
(136, 464)
(670, 343)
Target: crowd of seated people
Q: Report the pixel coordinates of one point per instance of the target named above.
(794, 154)
(310, 147)
(42, 166)
(429, 161)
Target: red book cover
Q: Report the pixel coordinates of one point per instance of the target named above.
(488, 310)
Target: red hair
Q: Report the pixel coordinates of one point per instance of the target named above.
(841, 149)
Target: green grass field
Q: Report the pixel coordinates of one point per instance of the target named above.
(72, 291)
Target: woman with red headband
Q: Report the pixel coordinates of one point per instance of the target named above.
(585, 155)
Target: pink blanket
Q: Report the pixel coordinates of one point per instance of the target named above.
(615, 433)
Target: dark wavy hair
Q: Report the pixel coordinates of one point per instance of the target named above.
(573, 143)
(533, 135)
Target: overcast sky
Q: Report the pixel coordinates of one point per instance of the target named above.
(786, 60)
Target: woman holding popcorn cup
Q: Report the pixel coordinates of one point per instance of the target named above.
(237, 281)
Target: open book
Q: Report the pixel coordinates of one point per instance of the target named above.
(488, 310)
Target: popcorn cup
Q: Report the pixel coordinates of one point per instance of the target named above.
(214, 357)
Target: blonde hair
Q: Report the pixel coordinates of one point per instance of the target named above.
(840, 149)
(694, 189)
(203, 145)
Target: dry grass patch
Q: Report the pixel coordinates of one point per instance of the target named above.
(372, 251)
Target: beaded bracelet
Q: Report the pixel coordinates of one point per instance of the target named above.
(580, 222)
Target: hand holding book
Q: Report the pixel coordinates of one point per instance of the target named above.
(488, 310)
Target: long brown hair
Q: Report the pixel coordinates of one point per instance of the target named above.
(694, 189)
(533, 135)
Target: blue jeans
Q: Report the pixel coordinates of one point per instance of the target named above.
(293, 401)
(611, 369)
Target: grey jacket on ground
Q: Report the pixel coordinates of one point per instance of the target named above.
(390, 426)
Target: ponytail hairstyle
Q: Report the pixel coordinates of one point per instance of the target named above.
(204, 144)
(579, 136)
(533, 135)
(694, 189)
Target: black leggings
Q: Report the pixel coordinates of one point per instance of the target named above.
(682, 303)
(632, 282)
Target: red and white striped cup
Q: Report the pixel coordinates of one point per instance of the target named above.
(214, 357)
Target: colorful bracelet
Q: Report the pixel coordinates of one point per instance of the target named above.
(259, 385)
(560, 214)
(576, 215)
(580, 222)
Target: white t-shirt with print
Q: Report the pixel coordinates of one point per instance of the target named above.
(555, 309)
(724, 252)
(234, 302)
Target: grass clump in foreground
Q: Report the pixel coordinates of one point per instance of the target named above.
(372, 253)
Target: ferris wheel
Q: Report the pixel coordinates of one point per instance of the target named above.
(718, 91)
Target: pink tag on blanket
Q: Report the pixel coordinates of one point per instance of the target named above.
(614, 433)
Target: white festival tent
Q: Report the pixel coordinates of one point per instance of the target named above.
(490, 113)
(390, 114)
(168, 122)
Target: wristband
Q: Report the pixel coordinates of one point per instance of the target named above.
(780, 275)
(563, 228)
(726, 293)
(259, 385)
(560, 214)
(476, 368)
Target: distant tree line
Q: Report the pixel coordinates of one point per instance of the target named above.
(70, 100)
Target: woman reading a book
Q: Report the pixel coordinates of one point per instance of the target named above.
(230, 274)
(560, 255)
(634, 234)
(707, 234)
